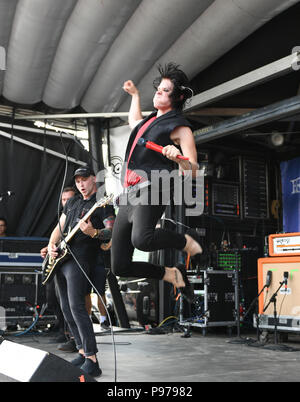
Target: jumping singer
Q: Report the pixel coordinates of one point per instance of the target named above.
(135, 225)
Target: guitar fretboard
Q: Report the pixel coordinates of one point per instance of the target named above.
(99, 204)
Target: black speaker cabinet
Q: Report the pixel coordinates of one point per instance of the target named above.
(141, 300)
(20, 292)
(20, 363)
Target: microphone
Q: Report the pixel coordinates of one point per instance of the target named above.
(268, 279)
(155, 147)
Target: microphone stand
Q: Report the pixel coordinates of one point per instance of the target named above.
(238, 338)
(277, 346)
(237, 292)
(273, 300)
(254, 301)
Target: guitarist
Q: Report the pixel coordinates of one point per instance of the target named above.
(71, 281)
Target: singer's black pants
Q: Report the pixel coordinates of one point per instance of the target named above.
(135, 227)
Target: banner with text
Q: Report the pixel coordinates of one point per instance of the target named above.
(290, 180)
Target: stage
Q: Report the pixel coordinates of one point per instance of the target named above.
(172, 358)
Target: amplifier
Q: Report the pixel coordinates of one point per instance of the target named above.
(16, 259)
(21, 292)
(284, 244)
(255, 190)
(288, 298)
(284, 323)
(140, 297)
(225, 200)
(22, 244)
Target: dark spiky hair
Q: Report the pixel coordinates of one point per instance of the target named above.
(180, 81)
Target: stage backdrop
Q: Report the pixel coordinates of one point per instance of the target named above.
(35, 177)
(290, 179)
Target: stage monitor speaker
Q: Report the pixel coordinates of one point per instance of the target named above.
(288, 298)
(20, 363)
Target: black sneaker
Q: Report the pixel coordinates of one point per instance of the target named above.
(91, 368)
(105, 325)
(78, 361)
(69, 346)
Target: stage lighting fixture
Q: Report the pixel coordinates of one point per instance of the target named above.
(277, 139)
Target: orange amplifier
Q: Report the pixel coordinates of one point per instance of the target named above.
(288, 298)
(284, 244)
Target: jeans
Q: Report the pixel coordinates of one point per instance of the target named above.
(72, 288)
(135, 228)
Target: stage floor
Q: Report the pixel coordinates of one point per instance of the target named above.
(162, 358)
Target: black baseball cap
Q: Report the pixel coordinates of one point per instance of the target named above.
(84, 171)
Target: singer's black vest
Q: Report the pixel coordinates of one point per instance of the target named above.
(158, 132)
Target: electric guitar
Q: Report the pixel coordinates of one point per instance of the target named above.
(50, 264)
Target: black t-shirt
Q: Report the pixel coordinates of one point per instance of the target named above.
(75, 209)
